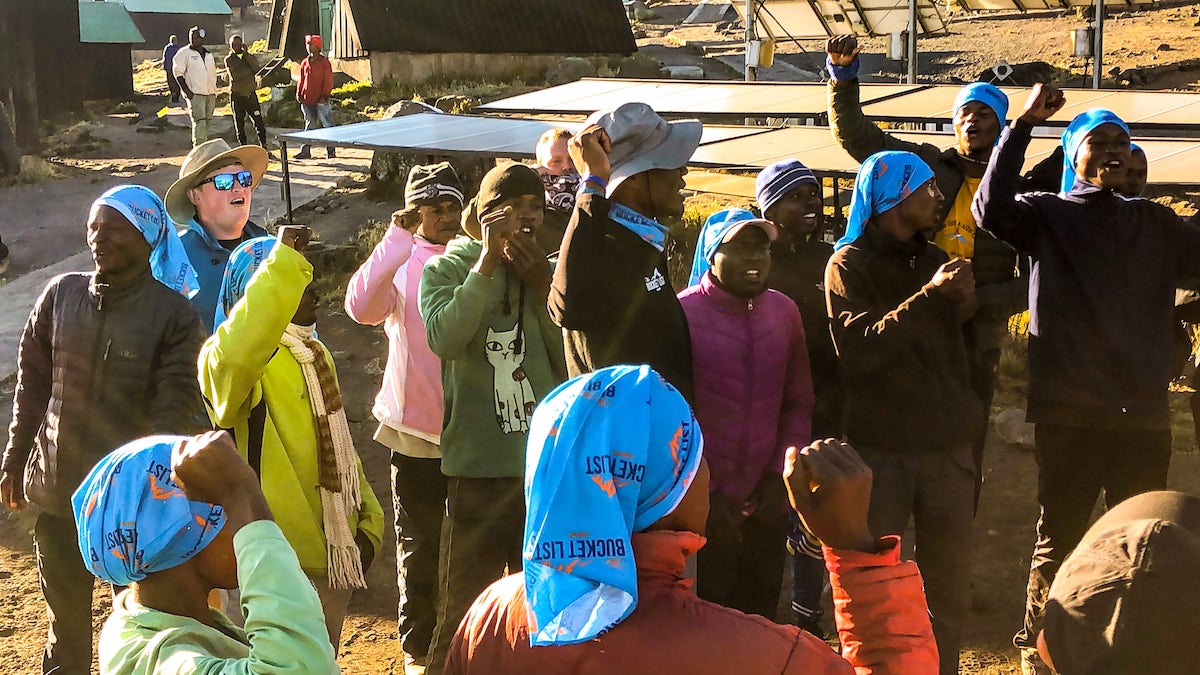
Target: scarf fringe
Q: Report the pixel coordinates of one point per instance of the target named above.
(340, 489)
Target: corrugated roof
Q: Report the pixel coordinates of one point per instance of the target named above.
(107, 22)
(176, 7)
(493, 26)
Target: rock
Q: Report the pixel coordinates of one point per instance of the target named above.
(456, 104)
(638, 10)
(1164, 47)
(685, 72)
(1114, 71)
(640, 34)
(639, 66)
(406, 107)
(570, 69)
(1024, 74)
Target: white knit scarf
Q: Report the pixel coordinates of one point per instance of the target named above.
(342, 495)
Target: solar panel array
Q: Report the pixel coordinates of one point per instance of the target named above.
(779, 19)
(1026, 5)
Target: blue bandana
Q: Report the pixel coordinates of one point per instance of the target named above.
(651, 231)
(1083, 124)
(883, 181)
(987, 94)
(243, 262)
(610, 453)
(145, 211)
(134, 520)
(711, 235)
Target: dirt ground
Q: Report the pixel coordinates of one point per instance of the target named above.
(1004, 527)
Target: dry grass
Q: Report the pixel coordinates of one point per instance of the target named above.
(35, 170)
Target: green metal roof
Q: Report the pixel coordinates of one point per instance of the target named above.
(177, 7)
(107, 22)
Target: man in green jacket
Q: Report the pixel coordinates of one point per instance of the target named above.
(1002, 287)
(267, 378)
(484, 305)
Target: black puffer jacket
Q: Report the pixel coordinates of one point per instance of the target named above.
(99, 366)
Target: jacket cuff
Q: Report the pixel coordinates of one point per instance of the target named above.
(839, 561)
(842, 73)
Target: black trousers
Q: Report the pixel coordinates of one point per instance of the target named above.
(745, 575)
(173, 86)
(982, 366)
(243, 107)
(67, 588)
(1075, 465)
(419, 499)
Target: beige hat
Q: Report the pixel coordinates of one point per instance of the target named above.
(202, 159)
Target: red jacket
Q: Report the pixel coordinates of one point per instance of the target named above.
(316, 80)
(879, 601)
(754, 393)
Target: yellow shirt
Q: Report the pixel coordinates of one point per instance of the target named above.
(957, 236)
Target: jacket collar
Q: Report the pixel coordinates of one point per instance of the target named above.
(661, 556)
(723, 298)
(878, 240)
(249, 230)
(423, 243)
(102, 290)
(1083, 192)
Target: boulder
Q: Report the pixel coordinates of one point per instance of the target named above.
(685, 72)
(456, 104)
(570, 69)
(639, 66)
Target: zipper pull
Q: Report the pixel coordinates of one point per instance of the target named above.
(107, 349)
(750, 304)
(912, 263)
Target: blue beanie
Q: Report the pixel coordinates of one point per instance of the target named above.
(780, 178)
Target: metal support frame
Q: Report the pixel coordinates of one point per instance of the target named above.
(751, 35)
(913, 27)
(287, 178)
(1098, 47)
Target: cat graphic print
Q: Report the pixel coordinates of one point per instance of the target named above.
(513, 393)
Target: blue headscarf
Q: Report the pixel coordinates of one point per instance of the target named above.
(144, 210)
(987, 94)
(610, 453)
(133, 519)
(244, 261)
(883, 181)
(712, 234)
(1073, 138)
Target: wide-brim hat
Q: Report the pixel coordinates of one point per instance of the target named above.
(202, 159)
(642, 141)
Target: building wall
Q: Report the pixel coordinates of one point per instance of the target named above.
(157, 28)
(32, 77)
(107, 71)
(408, 67)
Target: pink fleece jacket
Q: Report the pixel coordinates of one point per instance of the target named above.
(754, 395)
(385, 290)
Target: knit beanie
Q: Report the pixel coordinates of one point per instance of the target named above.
(432, 183)
(507, 182)
(775, 181)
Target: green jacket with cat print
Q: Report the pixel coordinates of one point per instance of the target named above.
(494, 368)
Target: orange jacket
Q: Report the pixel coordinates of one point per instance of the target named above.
(316, 80)
(879, 601)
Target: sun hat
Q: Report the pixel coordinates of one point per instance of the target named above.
(642, 140)
(205, 158)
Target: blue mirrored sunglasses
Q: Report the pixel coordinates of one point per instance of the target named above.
(224, 181)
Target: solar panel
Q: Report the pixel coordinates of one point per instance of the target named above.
(747, 149)
(1025, 5)
(778, 19)
(673, 98)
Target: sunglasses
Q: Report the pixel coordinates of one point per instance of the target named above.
(224, 181)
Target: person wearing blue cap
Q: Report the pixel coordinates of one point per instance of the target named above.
(1106, 267)
(617, 491)
(754, 398)
(106, 356)
(173, 518)
(978, 112)
(790, 196)
(897, 305)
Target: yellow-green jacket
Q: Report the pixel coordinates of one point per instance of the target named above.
(243, 363)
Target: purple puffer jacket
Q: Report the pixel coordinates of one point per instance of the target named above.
(754, 395)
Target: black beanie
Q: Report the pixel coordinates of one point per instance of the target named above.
(508, 182)
(432, 183)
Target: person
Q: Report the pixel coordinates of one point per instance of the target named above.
(313, 92)
(618, 497)
(484, 306)
(1120, 602)
(386, 289)
(168, 66)
(897, 304)
(211, 202)
(789, 196)
(243, 91)
(979, 111)
(1100, 346)
(266, 377)
(552, 160)
(754, 399)
(172, 518)
(195, 70)
(612, 290)
(105, 357)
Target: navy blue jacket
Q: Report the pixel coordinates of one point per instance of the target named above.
(1101, 295)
